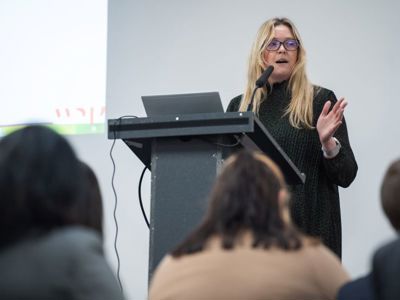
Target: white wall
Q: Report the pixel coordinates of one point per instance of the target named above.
(158, 46)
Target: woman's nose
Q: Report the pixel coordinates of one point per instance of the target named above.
(281, 48)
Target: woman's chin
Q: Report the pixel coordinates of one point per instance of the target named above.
(279, 78)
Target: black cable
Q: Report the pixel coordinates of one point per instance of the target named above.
(237, 143)
(116, 203)
(140, 197)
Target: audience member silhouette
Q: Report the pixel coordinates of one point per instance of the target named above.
(246, 246)
(386, 261)
(47, 250)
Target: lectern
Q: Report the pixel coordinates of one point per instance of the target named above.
(184, 154)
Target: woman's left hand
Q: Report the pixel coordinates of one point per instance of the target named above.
(329, 121)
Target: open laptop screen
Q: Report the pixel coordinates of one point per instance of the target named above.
(194, 103)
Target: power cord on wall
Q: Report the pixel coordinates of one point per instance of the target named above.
(116, 202)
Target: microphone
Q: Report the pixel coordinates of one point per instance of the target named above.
(264, 76)
(261, 81)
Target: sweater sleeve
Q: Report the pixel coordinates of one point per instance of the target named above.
(342, 169)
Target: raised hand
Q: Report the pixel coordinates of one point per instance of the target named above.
(329, 121)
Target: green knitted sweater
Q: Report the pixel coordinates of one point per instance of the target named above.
(315, 207)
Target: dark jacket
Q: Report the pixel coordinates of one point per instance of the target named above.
(359, 289)
(386, 271)
(63, 264)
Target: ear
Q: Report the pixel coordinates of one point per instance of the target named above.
(283, 198)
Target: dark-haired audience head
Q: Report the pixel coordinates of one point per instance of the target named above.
(93, 203)
(390, 194)
(249, 195)
(41, 184)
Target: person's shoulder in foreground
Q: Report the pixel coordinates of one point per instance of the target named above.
(386, 271)
(66, 263)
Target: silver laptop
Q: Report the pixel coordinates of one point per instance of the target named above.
(194, 103)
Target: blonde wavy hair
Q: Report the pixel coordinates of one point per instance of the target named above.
(300, 109)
